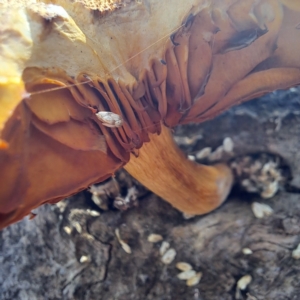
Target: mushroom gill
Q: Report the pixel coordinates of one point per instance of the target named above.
(153, 64)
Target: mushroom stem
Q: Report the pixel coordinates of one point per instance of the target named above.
(190, 187)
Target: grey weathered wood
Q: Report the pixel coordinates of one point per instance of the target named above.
(39, 260)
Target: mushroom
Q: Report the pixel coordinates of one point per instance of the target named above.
(87, 87)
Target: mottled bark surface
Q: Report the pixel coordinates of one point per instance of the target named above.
(70, 252)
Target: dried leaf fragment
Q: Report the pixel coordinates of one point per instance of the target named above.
(124, 245)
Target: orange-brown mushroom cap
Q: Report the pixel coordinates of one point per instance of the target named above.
(216, 54)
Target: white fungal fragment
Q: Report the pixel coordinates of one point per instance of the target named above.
(270, 190)
(188, 216)
(261, 210)
(247, 251)
(183, 266)
(249, 186)
(130, 199)
(61, 205)
(296, 253)
(68, 230)
(169, 256)
(154, 238)
(124, 245)
(186, 275)
(194, 280)
(205, 152)
(84, 259)
(263, 174)
(96, 199)
(228, 144)
(244, 282)
(187, 141)
(191, 157)
(164, 247)
(217, 154)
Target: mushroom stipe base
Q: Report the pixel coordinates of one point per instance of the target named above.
(190, 187)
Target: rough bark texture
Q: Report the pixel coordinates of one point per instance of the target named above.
(40, 259)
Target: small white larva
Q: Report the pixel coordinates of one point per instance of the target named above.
(244, 282)
(247, 251)
(154, 238)
(186, 275)
(164, 247)
(169, 256)
(194, 280)
(109, 119)
(84, 259)
(183, 266)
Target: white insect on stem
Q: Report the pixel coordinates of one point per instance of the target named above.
(109, 119)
